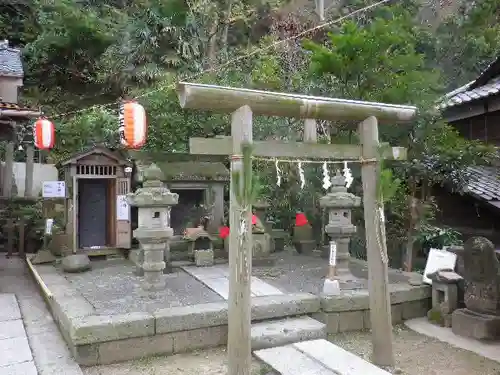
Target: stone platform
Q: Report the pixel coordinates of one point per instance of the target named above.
(105, 318)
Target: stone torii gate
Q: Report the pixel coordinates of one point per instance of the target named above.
(243, 104)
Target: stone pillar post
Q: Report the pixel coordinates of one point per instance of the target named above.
(339, 204)
(153, 201)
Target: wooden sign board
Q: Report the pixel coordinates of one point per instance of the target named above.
(54, 189)
(438, 259)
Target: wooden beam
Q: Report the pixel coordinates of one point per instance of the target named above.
(310, 131)
(239, 348)
(376, 251)
(8, 170)
(28, 178)
(267, 103)
(292, 150)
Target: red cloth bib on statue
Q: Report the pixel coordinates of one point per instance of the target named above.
(300, 220)
(254, 219)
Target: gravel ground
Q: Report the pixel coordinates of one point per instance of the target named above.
(112, 288)
(209, 362)
(305, 273)
(420, 355)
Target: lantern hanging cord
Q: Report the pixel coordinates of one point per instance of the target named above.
(232, 61)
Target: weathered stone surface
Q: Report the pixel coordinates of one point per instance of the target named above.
(100, 328)
(86, 355)
(14, 350)
(415, 309)
(25, 368)
(445, 277)
(286, 331)
(10, 308)
(76, 263)
(134, 348)
(476, 325)
(267, 307)
(204, 258)
(153, 201)
(481, 274)
(201, 338)
(401, 293)
(190, 317)
(444, 297)
(347, 301)
(43, 256)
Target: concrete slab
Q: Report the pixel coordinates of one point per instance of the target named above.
(261, 288)
(12, 328)
(339, 360)
(490, 350)
(286, 331)
(14, 350)
(287, 360)
(9, 308)
(25, 368)
(217, 279)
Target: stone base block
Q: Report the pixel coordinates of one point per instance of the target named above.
(440, 318)
(465, 322)
(305, 247)
(204, 258)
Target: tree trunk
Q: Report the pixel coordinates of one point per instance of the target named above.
(410, 233)
(211, 59)
(225, 33)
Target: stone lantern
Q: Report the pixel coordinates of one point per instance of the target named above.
(340, 229)
(153, 202)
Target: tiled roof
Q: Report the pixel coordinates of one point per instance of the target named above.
(484, 183)
(465, 96)
(14, 106)
(10, 61)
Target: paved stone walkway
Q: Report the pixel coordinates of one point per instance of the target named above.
(48, 349)
(217, 279)
(15, 352)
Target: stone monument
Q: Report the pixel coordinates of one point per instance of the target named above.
(303, 237)
(340, 229)
(480, 318)
(262, 244)
(154, 202)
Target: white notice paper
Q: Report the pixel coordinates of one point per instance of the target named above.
(438, 260)
(333, 253)
(54, 189)
(48, 226)
(122, 208)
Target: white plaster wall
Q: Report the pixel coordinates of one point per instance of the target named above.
(41, 173)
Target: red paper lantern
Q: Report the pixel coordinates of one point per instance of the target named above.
(300, 219)
(133, 125)
(44, 134)
(224, 232)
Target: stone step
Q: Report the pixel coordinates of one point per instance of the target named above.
(316, 357)
(280, 332)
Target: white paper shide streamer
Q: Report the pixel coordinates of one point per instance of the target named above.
(301, 175)
(326, 177)
(347, 175)
(278, 173)
(242, 230)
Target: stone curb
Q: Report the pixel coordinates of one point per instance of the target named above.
(359, 299)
